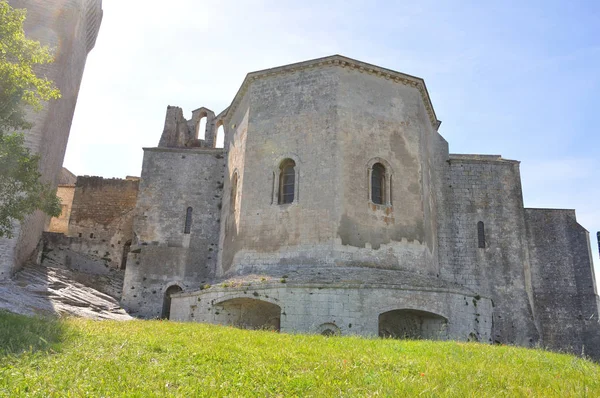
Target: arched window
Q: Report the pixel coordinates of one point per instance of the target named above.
(378, 184)
(234, 184)
(220, 139)
(188, 221)
(481, 235)
(201, 133)
(287, 181)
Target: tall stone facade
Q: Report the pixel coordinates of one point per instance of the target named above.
(335, 207)
(71, 28)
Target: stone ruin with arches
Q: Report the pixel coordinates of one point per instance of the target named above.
(335, 207)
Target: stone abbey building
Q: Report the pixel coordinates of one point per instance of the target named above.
(335, 207)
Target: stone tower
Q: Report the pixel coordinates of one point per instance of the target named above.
(71, 28)
(176, 222)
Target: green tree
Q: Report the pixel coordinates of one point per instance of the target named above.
(21, 191)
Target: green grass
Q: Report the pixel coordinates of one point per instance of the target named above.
(78, 357)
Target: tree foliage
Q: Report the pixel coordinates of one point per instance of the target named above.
(21, 191)
(19, 84)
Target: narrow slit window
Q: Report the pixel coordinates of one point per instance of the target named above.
(391, 190)
(481, 235)
(234, 184)
(188, 221)
(378, 184)
(287, 181)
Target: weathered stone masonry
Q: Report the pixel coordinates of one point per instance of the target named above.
(70, 27)
(434, 246)
(99, 232)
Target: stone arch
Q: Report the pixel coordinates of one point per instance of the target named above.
(329, 329)
(248, 313)
(209, 131)
(286, 189)
(219, 134)
(166, 310)
(201, 128)
(277, 176)
(412, 324)
(387, 178)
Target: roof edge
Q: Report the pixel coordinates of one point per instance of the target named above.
(344, 62)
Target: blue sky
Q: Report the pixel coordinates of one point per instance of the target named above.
(520, 79)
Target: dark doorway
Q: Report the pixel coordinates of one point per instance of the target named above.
(412, 324)
(247, 313)
(166, 311)
(126, 250)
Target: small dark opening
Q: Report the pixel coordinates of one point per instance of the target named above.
(166, 311)
(188, 221)
(126, 249)
(481, 235)
(234, 183)
(378, 184)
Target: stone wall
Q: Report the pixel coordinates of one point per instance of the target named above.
(386, 122)
(84, 260)
(102, 217)
(347, 310)
(334, 123)
(60, 224)
(163, 254)
(563, 279)
(71, 28)
(487, 189)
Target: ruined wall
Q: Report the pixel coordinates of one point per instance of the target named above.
(488, 189)
(162, 255)
(73, 253)
(180, 132)
(102, 216)
(563, 281)
(71, 28)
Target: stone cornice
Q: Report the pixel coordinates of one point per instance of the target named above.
(476, 158)
(340, 285)
(344, 62)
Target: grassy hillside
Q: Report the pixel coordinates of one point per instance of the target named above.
(147, 358)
